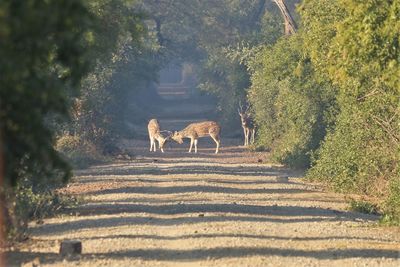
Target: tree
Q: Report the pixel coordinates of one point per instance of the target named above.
(99, 109)
(359, 53)
(40, 67)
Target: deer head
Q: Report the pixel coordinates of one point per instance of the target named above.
(164, 137)
(177, 137)
(243, 113)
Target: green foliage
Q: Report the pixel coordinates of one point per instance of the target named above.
(217, 37)
(363, 207)
(33, 203)
(38, 205)
(46, 49)
(125, 65)
(360, 54)
(231, 32)
(289, 103)
(330, 95)
(226, 79)
(80, 153)
(40, 66)
(392, 204)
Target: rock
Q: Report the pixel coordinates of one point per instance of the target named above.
(259, 160)
(70, 247)
(282, 179)
(201, 215)
(34, 263)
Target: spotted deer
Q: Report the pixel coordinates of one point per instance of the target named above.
(155, 134)
(247, 125)
(196, 130)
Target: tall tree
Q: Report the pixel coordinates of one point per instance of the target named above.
(40, 67)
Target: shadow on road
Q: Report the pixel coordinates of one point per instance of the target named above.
(210, 212)
(214, 253)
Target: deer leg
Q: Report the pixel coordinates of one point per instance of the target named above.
(151, 143)
(161, 148)
(217, 141)
(246, 137)
(195, 145)
(244, 133)
(253, 132)
(191, 145)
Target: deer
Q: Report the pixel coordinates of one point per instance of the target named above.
(156, 134)
(247, 125)
(196, 130)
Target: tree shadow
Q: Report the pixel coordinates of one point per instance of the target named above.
(163, 190)
(130, 169)
(240, 236)
(151, 200)
(210, 213)
(174, 255)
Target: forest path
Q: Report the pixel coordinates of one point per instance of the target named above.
(229, 209)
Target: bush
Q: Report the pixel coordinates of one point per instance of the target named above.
(352, 44)
(363, 207)
(78, 152)
(27, 203)
(290, 105)
(392, 204)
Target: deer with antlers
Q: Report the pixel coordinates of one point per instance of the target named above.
(247, 125)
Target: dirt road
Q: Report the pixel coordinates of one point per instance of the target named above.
(180, 209)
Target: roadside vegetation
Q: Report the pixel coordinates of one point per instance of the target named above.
(327, 98)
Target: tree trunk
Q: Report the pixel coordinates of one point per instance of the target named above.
(160, 38)
(2, 202)
(290, 25)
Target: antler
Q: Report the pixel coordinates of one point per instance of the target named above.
(240, 109)
(247, 109)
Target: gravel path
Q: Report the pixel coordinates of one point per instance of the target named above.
(230, 209)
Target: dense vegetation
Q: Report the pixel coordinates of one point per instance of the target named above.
(53, 72)
(326, 98)
(329, 96)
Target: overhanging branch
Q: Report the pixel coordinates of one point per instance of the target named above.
(290, 25)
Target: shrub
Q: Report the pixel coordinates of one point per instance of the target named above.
(363, 207)
(27, 202)
(292, 109)
(352, 43)
(392, 204)
(78, 152)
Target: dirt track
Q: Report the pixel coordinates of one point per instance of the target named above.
(180, 209)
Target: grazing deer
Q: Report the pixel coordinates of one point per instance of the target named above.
(247, 124)
(196, 130)
(156, 134)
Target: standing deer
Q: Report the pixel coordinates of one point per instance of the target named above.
(196, 130)
(155, 134)
(247, 124)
